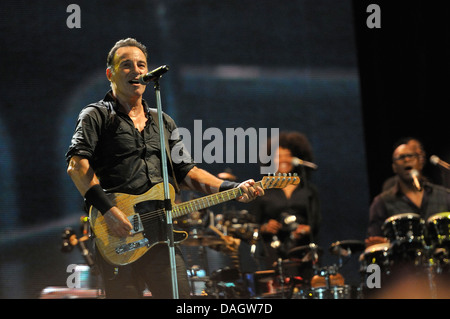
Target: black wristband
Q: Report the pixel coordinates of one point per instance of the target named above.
(95, 196)
(226, 185)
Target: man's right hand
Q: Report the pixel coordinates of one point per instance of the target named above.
(117, 222)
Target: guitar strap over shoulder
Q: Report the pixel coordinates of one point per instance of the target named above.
(154, 114)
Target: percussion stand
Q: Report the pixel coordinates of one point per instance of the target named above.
(280, 270)
(430, 271)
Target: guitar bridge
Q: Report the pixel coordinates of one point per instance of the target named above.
(136, 222)
(132, 246)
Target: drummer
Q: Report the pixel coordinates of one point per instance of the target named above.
(407, 195)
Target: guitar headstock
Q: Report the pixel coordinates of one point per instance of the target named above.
(280, 180)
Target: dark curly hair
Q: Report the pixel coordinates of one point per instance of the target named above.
(298, 144)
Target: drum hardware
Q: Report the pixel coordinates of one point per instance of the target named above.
(203, 241)
(346, 248)
(89, 272)
(70, 240)
(198, 280)
(289, 222)
(275, 243)
(264, 284)
(230, 248)
(231, 243)
(327, 283)
(281, 274)
(287, 272)
(198, 276)
(253, 242)
(306, 253)
(225, 283)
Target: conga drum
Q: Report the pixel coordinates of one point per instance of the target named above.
(379, 254)
(406, 232)
(438, 228)
(438, 235)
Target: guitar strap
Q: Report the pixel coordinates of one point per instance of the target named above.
(154, 114)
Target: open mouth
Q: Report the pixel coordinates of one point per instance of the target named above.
(408, 168)
(134, 81)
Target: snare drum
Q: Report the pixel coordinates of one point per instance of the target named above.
(438, 227)
(406, 230)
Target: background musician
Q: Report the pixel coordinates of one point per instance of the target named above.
(289, 217)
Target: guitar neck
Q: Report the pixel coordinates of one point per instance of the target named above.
(207, 201)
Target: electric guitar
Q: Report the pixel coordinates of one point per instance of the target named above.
(148, 217)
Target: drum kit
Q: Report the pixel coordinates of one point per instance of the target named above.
(412, 242)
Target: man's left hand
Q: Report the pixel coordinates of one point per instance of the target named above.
(250, 191)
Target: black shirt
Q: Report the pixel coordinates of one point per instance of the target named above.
(436, 199)
(303, 203)
(124, 159)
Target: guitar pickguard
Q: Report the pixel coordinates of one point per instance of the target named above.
(153, 219)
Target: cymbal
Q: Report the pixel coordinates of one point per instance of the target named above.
(304, 252)
(203, 241)
(347, 247)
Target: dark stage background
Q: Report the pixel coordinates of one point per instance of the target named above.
(310, 66)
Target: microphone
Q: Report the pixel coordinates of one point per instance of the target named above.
(438, 162)
(298, 162)
(415, 177)
(153, 75)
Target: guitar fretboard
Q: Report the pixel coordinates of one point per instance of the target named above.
(207, 201)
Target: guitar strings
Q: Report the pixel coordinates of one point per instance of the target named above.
(160, 213)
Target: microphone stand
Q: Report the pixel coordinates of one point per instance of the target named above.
(309, 205)
(167, 201)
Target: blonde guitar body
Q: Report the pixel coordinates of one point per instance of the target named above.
(122, 251)
(149, 219)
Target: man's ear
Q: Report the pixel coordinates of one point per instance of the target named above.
(394, 169)
(109, 73)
